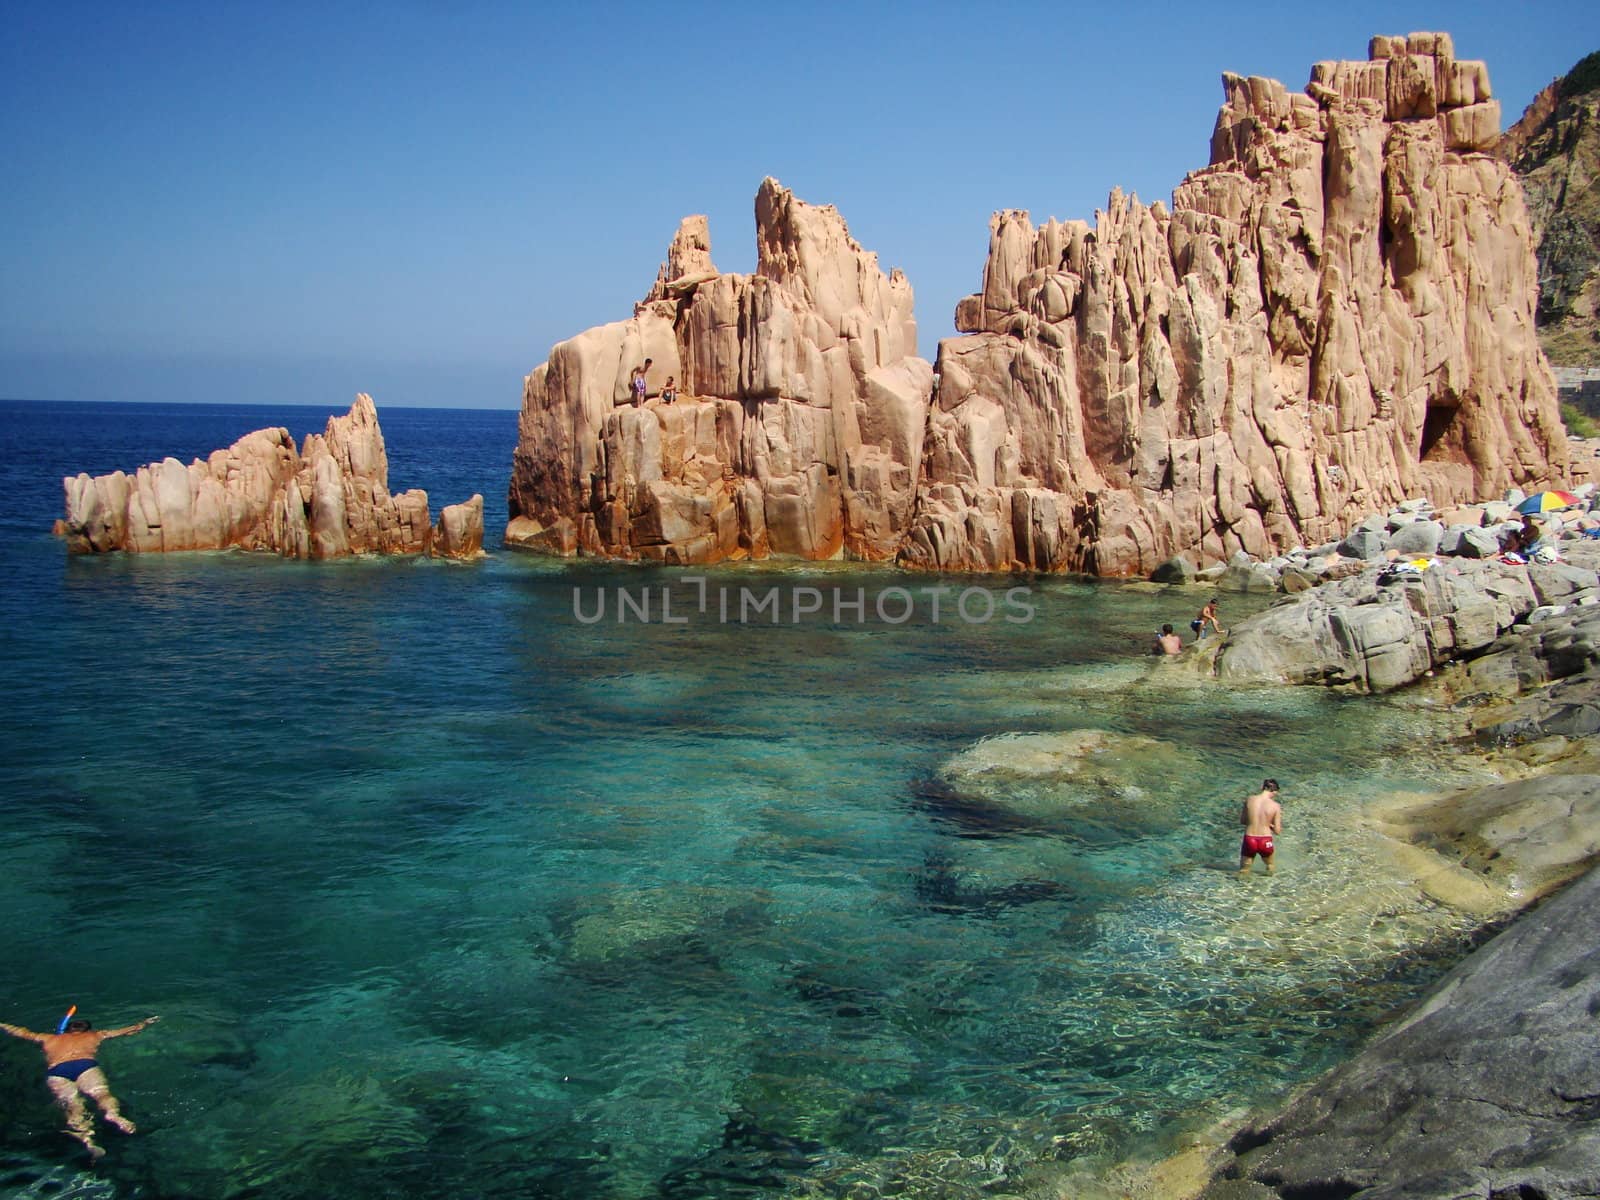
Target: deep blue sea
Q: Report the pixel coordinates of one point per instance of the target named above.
(442, 890)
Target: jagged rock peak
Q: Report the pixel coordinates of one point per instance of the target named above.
(328, 501)
(688, 263)
(1337, 313)
(797, 421)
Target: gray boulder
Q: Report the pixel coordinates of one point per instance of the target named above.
(1249, 577)
(1357, 633)
(1560, 583)
(1174, 570)
(1365, 544)
(1469, 542)
(1488, 1089)
(1419, 539)
(1297, 579)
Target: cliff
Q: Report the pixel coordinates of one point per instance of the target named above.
(327, 501)
(1555, 151)
(798, 425)
(1337, 313)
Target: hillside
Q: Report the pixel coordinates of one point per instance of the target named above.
(1555, 149)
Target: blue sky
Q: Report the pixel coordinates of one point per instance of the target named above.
(288, 203)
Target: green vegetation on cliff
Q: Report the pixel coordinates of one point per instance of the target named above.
(1555, 149)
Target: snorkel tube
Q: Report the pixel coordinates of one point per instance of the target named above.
(62, 1028)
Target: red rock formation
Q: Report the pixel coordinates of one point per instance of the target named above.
(798, 427)
(329, 501)
(1337, 314)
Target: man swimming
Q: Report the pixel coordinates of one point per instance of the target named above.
(1262, 817)
(72, 1073)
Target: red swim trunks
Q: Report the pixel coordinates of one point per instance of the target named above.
(1254, 845)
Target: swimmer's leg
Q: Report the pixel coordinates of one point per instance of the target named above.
(93, 1082)
(79, 1123)
(1267, 858)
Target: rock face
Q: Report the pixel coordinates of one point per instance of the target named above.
(798, 425)
(328, 501)
(1336, 313)
(1378, 631)
(1489, 1089)
(1555, 150)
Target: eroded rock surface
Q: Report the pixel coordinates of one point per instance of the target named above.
(329, 500)
(1489, 1089)
(1336, 313)
(1378, 631)
(798, 425)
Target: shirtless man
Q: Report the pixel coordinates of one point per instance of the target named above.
(1168, 642)
(1208, 616)
(72, 1073)
(1262, 817)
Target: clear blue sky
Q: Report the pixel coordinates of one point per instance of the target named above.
(288, 203)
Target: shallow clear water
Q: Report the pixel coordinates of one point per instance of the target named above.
(442, 891)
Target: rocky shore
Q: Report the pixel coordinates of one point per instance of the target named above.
(1490, 1087)
(328, 500)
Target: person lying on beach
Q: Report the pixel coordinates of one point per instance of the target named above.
(1262, 817)
(72, 1072)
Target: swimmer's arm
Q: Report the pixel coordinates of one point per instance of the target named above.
(26, 1035)
(1277, 821)
(1244, 813)
(127, 1029)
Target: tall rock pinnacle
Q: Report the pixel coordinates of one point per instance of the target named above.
(1336, 314)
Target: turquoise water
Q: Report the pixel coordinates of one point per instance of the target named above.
(442, 892)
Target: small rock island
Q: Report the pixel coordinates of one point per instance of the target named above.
(329, 500)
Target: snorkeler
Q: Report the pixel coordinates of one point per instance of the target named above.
(1261, 816)
(72, 1072)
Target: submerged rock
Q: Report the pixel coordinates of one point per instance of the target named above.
(1069, 779)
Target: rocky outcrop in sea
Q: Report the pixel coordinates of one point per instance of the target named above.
(1335, 314)
(798, 425)
(329, 500)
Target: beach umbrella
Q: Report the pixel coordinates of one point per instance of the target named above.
(1542, 502)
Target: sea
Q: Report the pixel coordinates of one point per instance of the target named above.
(593, 881)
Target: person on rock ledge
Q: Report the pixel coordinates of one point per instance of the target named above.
(1208, 616)
(1262, 818)
(640, 387)
(72, 1072)
(669, 393)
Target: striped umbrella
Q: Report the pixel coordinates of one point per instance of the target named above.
(1542, 502)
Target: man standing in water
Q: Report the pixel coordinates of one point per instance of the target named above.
(1262, 817)
(73, 1073)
